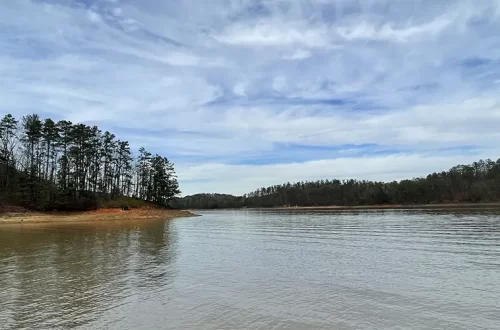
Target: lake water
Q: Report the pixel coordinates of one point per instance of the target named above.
(256, 270)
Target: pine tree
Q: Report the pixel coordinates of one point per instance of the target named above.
(32, 129)
(8, 144)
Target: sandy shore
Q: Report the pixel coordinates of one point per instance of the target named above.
(92, 216)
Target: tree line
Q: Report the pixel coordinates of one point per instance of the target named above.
(477, 182)
(208, 201)
(60, 165)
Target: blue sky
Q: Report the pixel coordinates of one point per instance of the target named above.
(246, 93)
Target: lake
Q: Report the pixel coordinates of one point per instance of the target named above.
(256, 270)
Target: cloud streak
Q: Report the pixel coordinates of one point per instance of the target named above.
(246, 93)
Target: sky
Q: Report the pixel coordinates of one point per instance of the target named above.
(242, 94)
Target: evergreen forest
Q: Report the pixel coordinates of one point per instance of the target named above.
(478, 182)
(48, 165)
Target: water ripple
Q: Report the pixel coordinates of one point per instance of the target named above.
(257, 270)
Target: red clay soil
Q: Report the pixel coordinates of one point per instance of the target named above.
(11, 215)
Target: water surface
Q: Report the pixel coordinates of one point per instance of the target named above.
(256, 270)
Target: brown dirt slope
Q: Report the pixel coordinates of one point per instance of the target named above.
(12, 215)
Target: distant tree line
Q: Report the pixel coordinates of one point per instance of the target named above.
(208, 201)
(60, 165)
(478, 182)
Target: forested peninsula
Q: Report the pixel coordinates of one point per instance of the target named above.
(61, 166)
(478, 182)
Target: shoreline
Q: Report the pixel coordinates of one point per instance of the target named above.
(443, 206)
(92, 216)
(394, 207)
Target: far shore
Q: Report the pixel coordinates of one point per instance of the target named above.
(443, 206)
(396, 207)
(29, 217)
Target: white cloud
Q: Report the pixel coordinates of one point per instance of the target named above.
(251, 177)
(368, 31)
(239, 89)
(279, 83)
(300, 54)
(275, 34)
(181, 59)
(94, 17)
(117, 11)
(213, 85)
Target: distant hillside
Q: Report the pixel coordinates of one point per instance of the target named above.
(478, 182)
(208, 201)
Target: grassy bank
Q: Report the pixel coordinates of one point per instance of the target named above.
(20, 216)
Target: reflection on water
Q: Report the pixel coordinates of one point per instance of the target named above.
(70, 275)
(256, 270)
